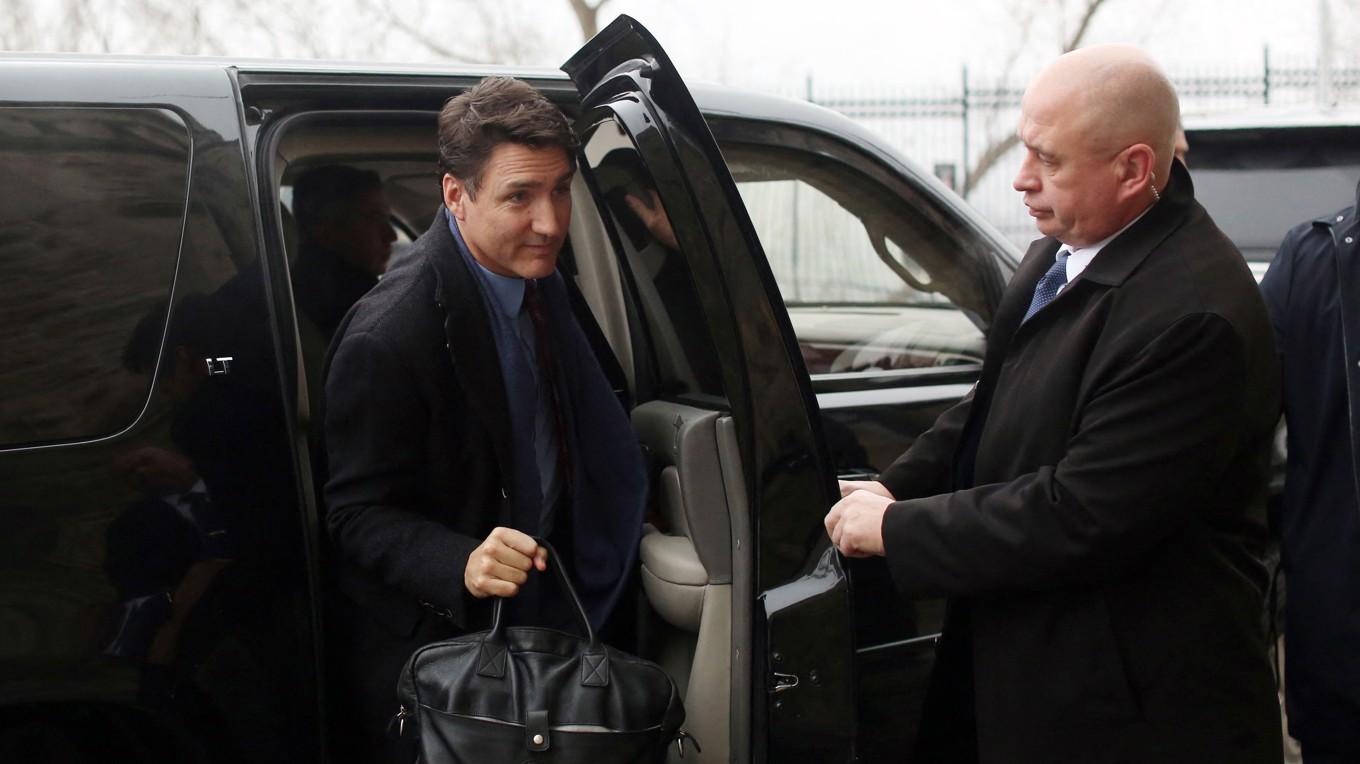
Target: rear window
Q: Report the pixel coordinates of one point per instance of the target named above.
(91, 213)
(1258, 183)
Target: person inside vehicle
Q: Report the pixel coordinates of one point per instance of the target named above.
(345, 240)
(1095, 508)
(465, 415)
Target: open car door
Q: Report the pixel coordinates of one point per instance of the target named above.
(743, 565)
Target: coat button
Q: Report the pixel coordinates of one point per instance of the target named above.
(1350, 239)
(538, 740)
(504, 495)
(1340, 218)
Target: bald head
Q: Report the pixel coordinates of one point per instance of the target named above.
(1101, 123)
(1114, 95)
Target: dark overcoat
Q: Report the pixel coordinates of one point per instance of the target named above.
(1095, 512)
(421, 467)
(1313, 292)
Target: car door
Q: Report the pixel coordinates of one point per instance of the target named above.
(153, 602)
(792, 669)
(890, 284)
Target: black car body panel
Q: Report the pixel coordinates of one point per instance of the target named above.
(164, 566)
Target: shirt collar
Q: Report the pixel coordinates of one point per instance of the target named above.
(507, 292)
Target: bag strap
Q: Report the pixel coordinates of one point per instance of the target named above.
(493, 654)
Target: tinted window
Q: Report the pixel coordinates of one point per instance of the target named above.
(673, 315)
(870, 282)
(91, 212)
(153, 604)
(1259, 183)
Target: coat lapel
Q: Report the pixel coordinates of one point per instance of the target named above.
(1121, 257)
(471, 343)
(1016, 299)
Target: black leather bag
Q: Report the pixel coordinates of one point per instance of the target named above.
(527, 694)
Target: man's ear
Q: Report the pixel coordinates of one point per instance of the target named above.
(455, 196)
(1137, 163)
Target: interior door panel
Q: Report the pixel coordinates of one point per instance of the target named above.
(687, 564)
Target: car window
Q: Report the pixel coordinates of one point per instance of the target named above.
(1308, 172)
(656, 268)
(91, 214)
(871, 284)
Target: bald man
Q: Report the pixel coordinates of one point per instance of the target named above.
(1095, 509)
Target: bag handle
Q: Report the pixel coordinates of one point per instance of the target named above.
(494, 650)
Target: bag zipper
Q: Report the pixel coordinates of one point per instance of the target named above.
(400, 720)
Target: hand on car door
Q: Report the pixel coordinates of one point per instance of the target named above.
(855, 523)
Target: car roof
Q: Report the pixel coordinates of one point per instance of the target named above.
(1280, 117)
(715, 101)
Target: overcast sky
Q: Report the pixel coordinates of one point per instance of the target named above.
(765, 44)
(778, 43)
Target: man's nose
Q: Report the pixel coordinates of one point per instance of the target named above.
(1025, 178)
(546, 219)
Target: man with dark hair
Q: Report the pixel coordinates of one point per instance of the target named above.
(466, 415)
(345, 239)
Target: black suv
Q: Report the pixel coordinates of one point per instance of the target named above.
(163, 560)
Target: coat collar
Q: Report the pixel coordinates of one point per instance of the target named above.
(1121, 257)
(1342, 220)
(470, 341)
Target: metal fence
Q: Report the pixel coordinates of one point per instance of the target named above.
(948, 129)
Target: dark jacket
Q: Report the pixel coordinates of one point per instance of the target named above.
(1095, 510)
(420, 450)
(1313, 292)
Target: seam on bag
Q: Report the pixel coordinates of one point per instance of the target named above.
(593, 728)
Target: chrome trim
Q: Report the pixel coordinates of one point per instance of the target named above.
(893, 396)
(929, 639)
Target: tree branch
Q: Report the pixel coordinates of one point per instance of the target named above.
(1083, 26)
(588, 16)
(994, 153)
(396, 21)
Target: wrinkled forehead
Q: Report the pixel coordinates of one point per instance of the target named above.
(518, 164)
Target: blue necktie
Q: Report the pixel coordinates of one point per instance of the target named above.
(1049, 284)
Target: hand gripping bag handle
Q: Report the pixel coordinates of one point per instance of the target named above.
(494, 651)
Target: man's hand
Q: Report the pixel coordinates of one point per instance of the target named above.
(872, 486)
(501, 564)
(855, 523)
(654, 218)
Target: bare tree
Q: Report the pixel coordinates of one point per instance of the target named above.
(480, 32)
(461, 31)
(1027, 14)
(587, 15)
